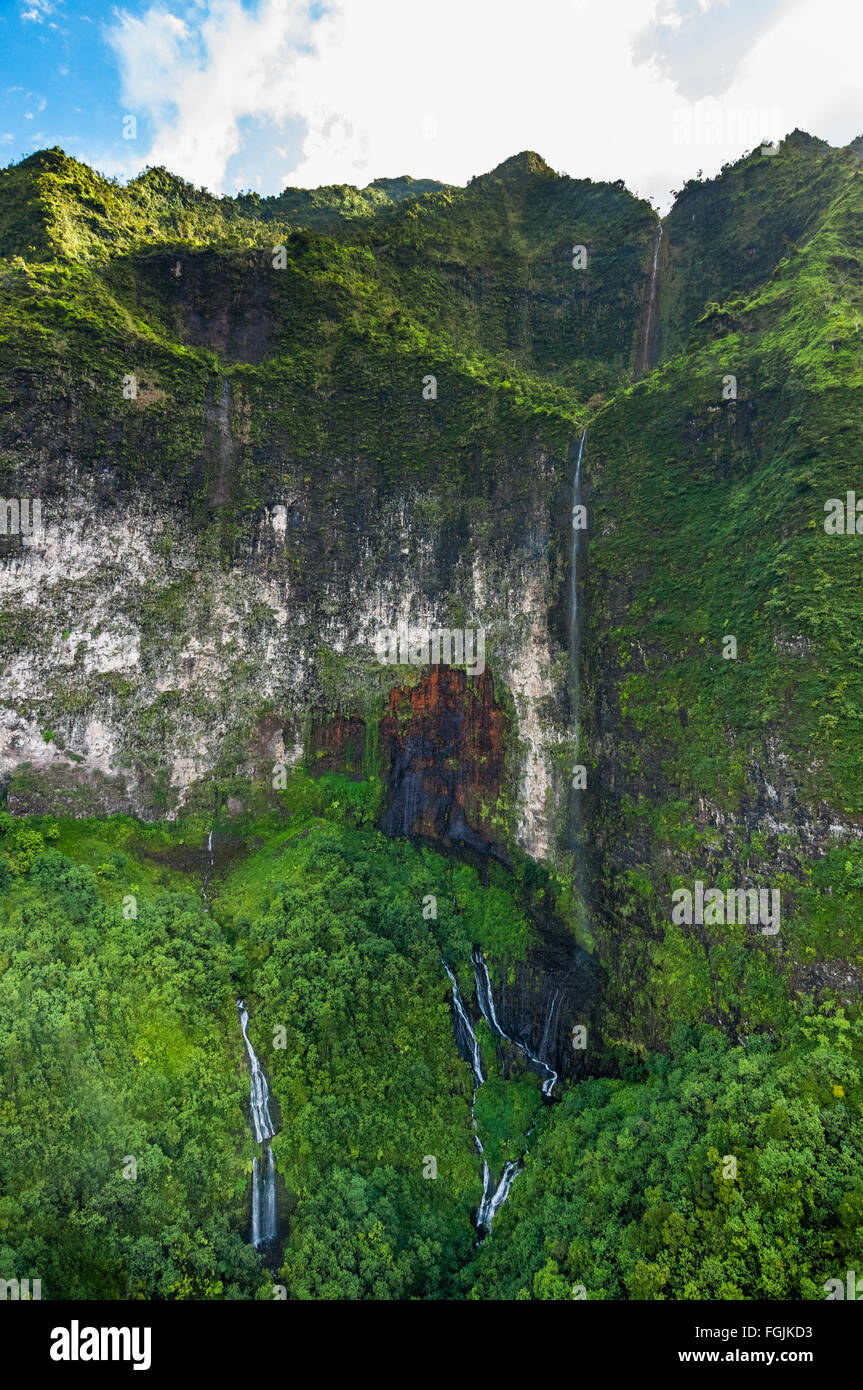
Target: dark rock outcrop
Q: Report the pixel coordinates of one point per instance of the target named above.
(441, 746)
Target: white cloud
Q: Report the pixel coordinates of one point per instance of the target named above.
(447, 91)
(197, 84)
(807, 62)
(38, 11)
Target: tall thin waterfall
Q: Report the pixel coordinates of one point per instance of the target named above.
(265, 1227)
(577, 531)
(650, 317)
(575, 649)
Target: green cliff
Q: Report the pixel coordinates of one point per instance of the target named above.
(263, 429)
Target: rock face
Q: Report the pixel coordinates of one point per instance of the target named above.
(442, 754)
(337, 743)
(135, 653)
(544, 1000)
(441, 751)
(42, 788)
(259, 446)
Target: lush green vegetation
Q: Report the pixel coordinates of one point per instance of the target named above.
(725, 1173)
(714, 1150)
(708, 485)
(122, 1169)
(121, 1041)
(487, 268)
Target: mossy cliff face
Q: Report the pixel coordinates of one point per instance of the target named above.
(263, 430)
(724, 237)
(257, 443)
(722, 648)
(152, 661)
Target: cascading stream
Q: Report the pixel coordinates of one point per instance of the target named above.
(265, 1229)
(493, 1197)
(485, 999)
(491, 1201)
(465, 1036)
(468, 1046)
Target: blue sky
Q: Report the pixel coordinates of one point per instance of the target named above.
(261, 93)
(61, 82)
(63, 85)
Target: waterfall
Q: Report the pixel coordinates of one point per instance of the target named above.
(492, 1200)
(485, 999)
(549, 1020)
(649, 324)
(492, 1197)
(256, 1205)
(468, 1046)
(265, 1228)
(465, 1036)
(574, 657)
(207, 869)
(574, 630)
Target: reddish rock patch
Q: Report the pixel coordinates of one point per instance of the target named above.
(337, 743)
(441, 748)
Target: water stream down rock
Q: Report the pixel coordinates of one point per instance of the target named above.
(493, 1197)
(265, 1228)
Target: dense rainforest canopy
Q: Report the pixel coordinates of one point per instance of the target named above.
(125, 1157)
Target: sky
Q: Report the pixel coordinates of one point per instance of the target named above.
(265, 94)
